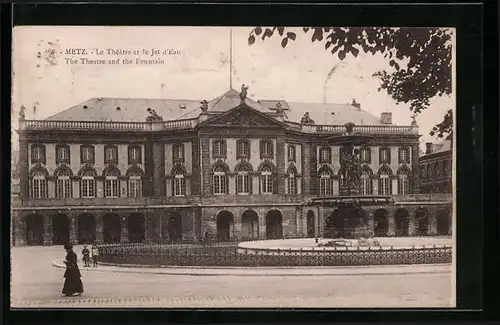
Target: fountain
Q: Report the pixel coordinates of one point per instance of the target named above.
(349, 220)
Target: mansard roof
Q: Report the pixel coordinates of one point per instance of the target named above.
(135, 110)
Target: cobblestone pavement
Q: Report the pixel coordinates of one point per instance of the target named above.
(37, 284)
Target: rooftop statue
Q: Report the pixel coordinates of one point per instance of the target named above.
(306, 119)
(279, 108)
(153, 116)
(243, 93)
(22, 112)
(204, 106)
(413, 120)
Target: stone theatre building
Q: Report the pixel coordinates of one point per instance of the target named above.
(132, 170)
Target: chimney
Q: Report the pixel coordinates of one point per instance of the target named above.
(386, 118)
(85, 106)
(118, 108)
(355, 104)
(428, 148)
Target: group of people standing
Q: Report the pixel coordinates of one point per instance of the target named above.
(73, 283)
(90, 255)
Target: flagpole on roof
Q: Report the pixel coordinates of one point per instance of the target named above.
(230, 58)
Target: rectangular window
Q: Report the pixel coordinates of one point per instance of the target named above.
(385, 156)
(87, 154)
(111, 187)
(291, 153)
(62, 154)
(325, 156)
(135, 186)
(243, 149)
(325, 186)
(64, 188)
(292, 184)
(37, 154)
(134, 155)
(111, 155)
(179, 185)
(39, 190)
(266, 183)
(366, 185)
(403, 184)
(365, 155)
(384, 185)
(218, 148)
(178, 152)
(219, 184)
(243, 183)
(88, 187)
(266, 149)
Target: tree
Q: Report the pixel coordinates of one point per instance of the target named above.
(419, 60)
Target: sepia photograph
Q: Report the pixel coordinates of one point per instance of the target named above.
(233, 167)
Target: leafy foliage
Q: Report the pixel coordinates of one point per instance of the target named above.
(419, 60)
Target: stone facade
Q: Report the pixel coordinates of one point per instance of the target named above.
(182, 180)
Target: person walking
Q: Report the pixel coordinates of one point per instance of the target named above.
(86, 255)
(95, 255)
(72, 284)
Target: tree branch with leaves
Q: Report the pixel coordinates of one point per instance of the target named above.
(419, 60)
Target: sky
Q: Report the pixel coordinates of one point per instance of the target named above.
(197, 66)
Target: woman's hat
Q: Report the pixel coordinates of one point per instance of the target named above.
(68, 246)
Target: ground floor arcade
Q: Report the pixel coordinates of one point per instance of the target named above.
(48, 227)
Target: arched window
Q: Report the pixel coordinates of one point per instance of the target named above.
(87, 184)
(325, 183)
(111, 184)
(179, 183)
(63, 185)
(266, 180)
(384, 183)
(403, 182)
(39, 185)
(366, 183)
(243, 179)
(220, 180)
(134, 185)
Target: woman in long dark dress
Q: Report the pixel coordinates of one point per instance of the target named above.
(73, 284)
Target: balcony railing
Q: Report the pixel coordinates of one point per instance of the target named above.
(187, 124)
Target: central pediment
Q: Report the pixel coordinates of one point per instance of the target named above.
(243, 116)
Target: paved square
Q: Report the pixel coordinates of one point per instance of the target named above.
(38, 285)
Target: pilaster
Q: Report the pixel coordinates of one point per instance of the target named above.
(73, 228)
(412, 224)
(432, 222)
(19, 228)
(206, 168)
(280, 163)
(24, 168)
(298, 221)
(370, 221)
(47, 230)
(392, 225)
(375, 185)
(158, 152)
(124, 229)
(415, 168)
(99, 229)
(317, 232)
(149, 170)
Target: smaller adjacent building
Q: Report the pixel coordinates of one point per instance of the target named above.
(436, 168)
